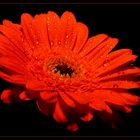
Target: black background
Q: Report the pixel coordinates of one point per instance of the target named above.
(117, 20)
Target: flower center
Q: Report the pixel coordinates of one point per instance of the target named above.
(63, 69)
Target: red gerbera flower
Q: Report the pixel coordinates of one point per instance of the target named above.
(50, 59)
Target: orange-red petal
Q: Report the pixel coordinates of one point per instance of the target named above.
(67, 99)
(11, 95)
(72, 127)
(58, 113)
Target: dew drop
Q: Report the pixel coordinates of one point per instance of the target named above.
(67, 36)
(105, 65)
(107, 56)
(52, 43)
(115, 86)
(36, 57)
(38, 63)
(48, 18)
(37, 42)
(59, 42)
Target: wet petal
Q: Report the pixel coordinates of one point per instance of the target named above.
(44, 107)
(68, 30)
(119, 84)
(53, 25)
(81, 38)
(91, 44)
(35, 85)
(87, 117)
(67, 99)
(14, 66)
(78, 97)
(115, 63)
(59, 114)
(72, 127)
(24, 96)
(49, 97)
(120, 73)
(11, 95)
(100, 105)
(17, 79)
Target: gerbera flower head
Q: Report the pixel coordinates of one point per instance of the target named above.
(50, 59)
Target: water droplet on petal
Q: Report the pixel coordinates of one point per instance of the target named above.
(37, 42)
(67, 36)
(48, 18)
(52, 43)
(59, 42)
(105, 65)
(36, 57)
(115, 86)
(38, 63)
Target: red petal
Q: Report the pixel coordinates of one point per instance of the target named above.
(17, 79)
(59, 114)
(72, 127)
(115, 63)
(102, 50)
(67, 100)
(118, 97)
(49, 97)
(5, 96)
(92, 43)
(130, 98)
(100, 105)
(119, 84)
(42, 31)
(14, 36)
(44, 107)
(27, 23)
(11, 25)
(12, 39)
(78, 97)
(24, 96)
(87, 117)
(12, 65)
(53, 24)
(117, 53)
(133, 71)
(11, 95)
(35, 85)
(82, 35)
(67, 34)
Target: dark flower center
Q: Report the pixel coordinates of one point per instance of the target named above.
(64, 70)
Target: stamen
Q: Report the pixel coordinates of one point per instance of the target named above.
(63, 69)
